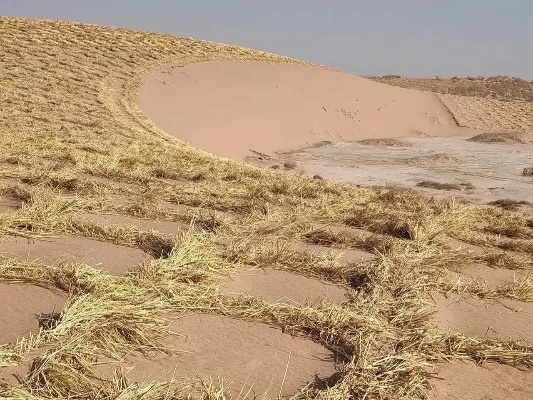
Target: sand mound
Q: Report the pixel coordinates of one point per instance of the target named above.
(283, 287)
(386, 142)
(501, 137)
(112, 220)
(232, 107)
(246, 353)
(492, 381)
(499, 318)
(69, 249)
(21, 308)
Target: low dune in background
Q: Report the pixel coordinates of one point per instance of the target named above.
(232, 107)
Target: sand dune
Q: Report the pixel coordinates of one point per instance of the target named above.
(230, 107)
(84, 177)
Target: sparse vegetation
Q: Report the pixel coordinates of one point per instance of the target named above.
(500, 137)
(438, 185)
(509, 204)
(74, 141)
(386, 142)
(486, 103)
(495, 87)
(528, 171)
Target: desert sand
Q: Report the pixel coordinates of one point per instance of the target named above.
(230, 108)
(493, 318)
(22, 306)
(113, 220)
(466, 380)
(304, 273)
(68, 250)
(284, 288)
(263, 361)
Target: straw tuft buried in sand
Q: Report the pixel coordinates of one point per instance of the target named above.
(90, 182)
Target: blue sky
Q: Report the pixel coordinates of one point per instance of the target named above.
(374, 37)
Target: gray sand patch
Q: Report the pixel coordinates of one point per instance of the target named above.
(458, 167)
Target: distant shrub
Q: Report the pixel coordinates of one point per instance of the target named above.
(289, 164)
(527, 171)
(509, 204)
(500, 137)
